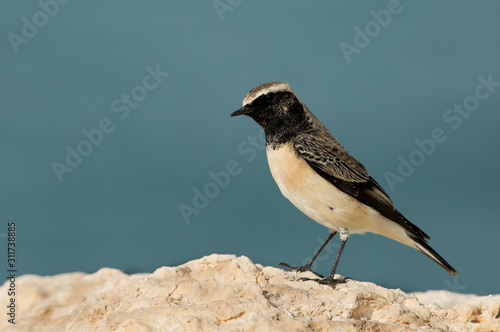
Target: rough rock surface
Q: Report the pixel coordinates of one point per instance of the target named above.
(225, 292)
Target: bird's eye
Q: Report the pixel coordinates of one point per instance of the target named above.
(271, 97)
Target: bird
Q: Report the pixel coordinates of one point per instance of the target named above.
(321, 178)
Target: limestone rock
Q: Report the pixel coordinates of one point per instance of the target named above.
(229, 293)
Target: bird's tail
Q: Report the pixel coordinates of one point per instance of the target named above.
(423, 247)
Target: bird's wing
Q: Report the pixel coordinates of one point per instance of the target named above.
(336, 165)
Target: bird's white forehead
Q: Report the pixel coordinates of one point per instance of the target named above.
(264, 89)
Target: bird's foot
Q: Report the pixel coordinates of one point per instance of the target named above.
(304, 268)
(330, 280)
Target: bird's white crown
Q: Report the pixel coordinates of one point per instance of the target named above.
(264, 89)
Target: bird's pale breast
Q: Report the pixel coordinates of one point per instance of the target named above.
(312, 194)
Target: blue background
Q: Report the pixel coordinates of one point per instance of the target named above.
(120, 207)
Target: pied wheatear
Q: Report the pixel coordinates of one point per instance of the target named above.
(322, 179)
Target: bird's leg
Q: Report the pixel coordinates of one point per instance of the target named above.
(307, 267)
(344, 235)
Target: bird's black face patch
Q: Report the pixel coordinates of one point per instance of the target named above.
(276, 107)
(280, 114)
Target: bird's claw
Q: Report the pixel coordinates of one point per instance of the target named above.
(322, 281)
(304, 268)
(330, 280)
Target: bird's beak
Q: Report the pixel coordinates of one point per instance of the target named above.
(241, 111)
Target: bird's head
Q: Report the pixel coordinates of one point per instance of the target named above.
(275, 107)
